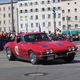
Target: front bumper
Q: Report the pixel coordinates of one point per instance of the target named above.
(56, 55)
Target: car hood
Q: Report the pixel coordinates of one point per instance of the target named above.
(57, 46)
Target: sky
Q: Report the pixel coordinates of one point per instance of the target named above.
(2, 1)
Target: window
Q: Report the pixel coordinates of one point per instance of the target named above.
(59, 8)
(48, 8)
(59, 15)
(59, 23)
(26, 25)
(0, 29)
(54, 8)
(49, 16)
(63, 11)
(21, 25)
(58, 0)
(68, 10)
(49, 24)
(4, 22)
(69, 18)
(8, 8)
(43, 16)
(21, 11)
(68, 3)
(20, 39)
(25, 18)
(5, 29)
(31, 3)
(76, 25)
(37, 24)
(43, 9)
(36, 3)
(21, 18)
(20, 4)
(36, 10)
(31, 17)
(43, 24)
(75, 17)
(31, 10)
(63, 18)
(36, 16)
(75, 9)
(48, 2)
(4, 8)
(0, 22)
(26, 11)
(31, 25)
(64, 27)
(9, 15)
(53, 1)
(75, 3)
(4, 15)
(26, 4)
(42, 2)
(69, 26)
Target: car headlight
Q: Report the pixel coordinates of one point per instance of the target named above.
(47, 52)
(51, 51)
(69, 49)
(73, 49)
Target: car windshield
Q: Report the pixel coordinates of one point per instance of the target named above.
(36, 37)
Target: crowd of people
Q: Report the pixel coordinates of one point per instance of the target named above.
(7, 37)
(69, 37)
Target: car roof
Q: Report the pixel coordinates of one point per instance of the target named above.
(28, 33)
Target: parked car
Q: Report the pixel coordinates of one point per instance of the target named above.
(36, 46)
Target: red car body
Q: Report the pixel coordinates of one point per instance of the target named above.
(37, 46)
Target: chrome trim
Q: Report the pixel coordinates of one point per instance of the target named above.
(72, 52)
(47, 55)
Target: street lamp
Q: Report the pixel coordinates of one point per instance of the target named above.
(68, 27)
(54, 15)
(13, 29)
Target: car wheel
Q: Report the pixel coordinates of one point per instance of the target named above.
(69, 58)
(10, 55)
(33, 57)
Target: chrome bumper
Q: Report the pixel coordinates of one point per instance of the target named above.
(55, 56)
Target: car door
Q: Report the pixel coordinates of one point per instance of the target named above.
(20, 48)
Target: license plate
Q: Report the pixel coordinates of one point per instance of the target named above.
(50, 58)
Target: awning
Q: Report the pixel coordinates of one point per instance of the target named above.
(74, 32)
(71, 32)
(66, 32)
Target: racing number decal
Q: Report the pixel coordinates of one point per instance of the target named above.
(17, 50)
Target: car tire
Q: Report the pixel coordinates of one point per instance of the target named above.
(69, 58)
(33, 57)
(10, 55)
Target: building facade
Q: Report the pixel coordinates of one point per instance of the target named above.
(6, 17)
(70, 14)
(38, 15)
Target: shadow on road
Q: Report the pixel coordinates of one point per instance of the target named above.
(60, 62)
(57, 62)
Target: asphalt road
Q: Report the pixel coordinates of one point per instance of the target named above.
(19, 70)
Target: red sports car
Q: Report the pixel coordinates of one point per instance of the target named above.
(36, 46)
